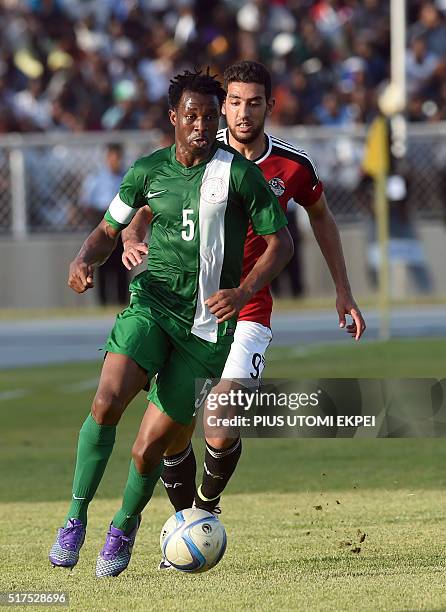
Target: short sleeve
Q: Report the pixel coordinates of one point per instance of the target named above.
(263, 208)
(124, 205)
(131, 190)
(308, 187)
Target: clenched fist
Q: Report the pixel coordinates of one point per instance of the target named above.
(80, 276)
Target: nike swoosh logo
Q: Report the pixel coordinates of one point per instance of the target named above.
(150, 195)
(74, 497)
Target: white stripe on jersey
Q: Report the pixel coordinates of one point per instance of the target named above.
(214, 193)
(284, 143)
(221, 135)
(292, 149)
(120, 211)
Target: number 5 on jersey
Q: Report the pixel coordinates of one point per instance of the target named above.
(188, 233)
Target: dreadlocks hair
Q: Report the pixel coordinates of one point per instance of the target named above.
(197, 82)
(249, 72)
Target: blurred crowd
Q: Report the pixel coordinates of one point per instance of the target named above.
(81, 65)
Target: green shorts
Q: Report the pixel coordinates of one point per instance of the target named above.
(164, 348)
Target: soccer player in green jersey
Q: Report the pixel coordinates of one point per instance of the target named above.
(183, 309)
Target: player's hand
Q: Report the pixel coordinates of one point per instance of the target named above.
(346, 305)
(80, 276)
(227, 303)
(132, 255)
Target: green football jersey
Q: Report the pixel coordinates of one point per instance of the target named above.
(200, 220)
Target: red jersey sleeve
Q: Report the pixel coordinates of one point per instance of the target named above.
(308, 188)
(297, 171)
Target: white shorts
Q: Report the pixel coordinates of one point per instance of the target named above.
(246, 359)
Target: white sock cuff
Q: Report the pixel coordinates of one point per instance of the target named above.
(177, 459)
(225, 451)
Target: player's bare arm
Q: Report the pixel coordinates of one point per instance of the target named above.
(133, 238)
(95, 250)
(327, 235)
(227, 303)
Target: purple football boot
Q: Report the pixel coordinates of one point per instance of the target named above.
(65, 550)
(115, 556)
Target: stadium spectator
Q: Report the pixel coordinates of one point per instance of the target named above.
(332, 111)
(122, 116)
(420, 65)
(31, 106)
(97, 192)
(87, 65)
(432, 27)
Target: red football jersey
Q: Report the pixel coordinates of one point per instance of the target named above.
(291, 175)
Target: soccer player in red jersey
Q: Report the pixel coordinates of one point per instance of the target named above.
(291, 174)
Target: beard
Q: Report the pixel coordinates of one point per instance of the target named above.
(247, 138)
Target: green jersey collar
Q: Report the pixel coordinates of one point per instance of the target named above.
(184, 169)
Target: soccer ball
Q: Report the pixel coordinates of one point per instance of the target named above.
(193, 540)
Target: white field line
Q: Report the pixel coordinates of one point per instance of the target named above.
(13, 394)
(308, 349)
(295, 352)
(82, 385)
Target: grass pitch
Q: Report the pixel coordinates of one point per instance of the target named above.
(295, 512)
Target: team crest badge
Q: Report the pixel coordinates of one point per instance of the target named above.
(277, 186)
(213, 190)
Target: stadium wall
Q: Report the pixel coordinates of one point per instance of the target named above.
(33, 272)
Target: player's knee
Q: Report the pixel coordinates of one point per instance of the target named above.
(221, 443)
(181, 441)
(107, 408)
(146, 455)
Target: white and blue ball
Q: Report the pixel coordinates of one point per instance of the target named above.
(193, 540)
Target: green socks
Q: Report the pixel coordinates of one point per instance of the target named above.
(93, 451)
(137, 493)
